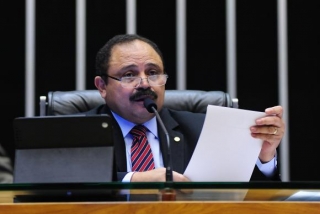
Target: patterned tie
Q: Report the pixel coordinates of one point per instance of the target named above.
(141, 155)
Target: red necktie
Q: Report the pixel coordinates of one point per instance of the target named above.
(141, 155)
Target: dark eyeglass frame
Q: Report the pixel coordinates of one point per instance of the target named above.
(120, 79)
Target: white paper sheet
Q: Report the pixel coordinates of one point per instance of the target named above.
(225, 151)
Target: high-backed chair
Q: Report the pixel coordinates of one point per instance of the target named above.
(71, 102)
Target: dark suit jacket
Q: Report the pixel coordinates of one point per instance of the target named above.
(185, 125)
(6, 174)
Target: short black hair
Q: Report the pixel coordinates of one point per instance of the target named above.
(104, 54)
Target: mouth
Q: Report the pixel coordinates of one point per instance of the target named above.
(142, 98)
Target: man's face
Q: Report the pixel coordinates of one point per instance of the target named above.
(133, 59)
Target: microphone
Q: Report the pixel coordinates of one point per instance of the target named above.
(151, 106)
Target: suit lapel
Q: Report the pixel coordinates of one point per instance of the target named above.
(177, 142)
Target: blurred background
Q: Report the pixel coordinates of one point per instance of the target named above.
(264, 53)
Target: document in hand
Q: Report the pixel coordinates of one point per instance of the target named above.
(225, 152)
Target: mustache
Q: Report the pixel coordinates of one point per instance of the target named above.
(141, 93)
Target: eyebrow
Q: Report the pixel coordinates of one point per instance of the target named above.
(132, 66)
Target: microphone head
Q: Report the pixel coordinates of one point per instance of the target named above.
(148, 104)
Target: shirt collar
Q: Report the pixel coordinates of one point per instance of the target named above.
(126, 125)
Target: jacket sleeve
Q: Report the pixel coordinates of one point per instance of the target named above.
(257, 175)
(6, 175)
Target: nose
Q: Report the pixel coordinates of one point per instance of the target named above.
(144, 83)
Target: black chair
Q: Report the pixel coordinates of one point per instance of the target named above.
(70, 102)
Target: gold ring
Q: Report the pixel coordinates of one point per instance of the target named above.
(275, 131)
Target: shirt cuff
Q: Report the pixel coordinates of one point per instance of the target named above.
(269, 168)
(127, 177)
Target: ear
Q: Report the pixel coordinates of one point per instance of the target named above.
(100, 85)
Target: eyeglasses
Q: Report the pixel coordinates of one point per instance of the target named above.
(134, 82)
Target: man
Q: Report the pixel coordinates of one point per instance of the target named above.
(6, 174)
(130, 69)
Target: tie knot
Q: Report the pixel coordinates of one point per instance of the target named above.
(138, 130)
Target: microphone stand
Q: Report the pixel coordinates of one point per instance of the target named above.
(168, 193)
(169, 176)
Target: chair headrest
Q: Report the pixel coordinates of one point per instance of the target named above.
(71, 102)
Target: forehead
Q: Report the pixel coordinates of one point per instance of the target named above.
(135, 52)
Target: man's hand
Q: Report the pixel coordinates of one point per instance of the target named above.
(156, 175)
(270, 129)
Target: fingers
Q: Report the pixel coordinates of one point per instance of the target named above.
(276, 110)
(270, 127)
(270, 130)
(268, 137)
(269, 121)
(179, 177)
(273, 118)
